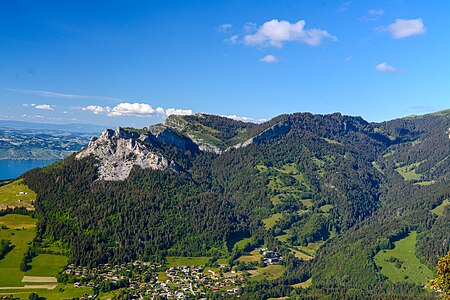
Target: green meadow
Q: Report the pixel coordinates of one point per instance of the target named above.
(16, 194)
(21, 230)
(401, 264)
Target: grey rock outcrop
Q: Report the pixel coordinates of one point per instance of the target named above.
(119, 151)
(165, 135)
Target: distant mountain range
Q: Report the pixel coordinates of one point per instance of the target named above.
(336, 196)
(80, 128)
(40, 141)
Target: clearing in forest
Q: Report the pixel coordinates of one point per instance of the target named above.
(401, 263)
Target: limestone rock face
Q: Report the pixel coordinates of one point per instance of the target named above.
(118, 151)
(204, 145)
(165, 135)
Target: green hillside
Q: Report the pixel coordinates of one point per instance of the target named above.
(334, 196)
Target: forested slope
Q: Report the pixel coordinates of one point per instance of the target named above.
(350, 186)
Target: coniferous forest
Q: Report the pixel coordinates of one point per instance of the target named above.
(356, 187)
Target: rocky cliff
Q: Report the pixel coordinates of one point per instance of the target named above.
(119, 151)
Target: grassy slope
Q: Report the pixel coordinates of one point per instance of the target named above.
(439, 210)
(173, 261)
(408, 172)
(254, 256)
(241, 244)
(42, 265)
(47, 265)
(59, 293)
(271, 221)
(9, 195)
(10, 274)
(411, 269)
(270, 272)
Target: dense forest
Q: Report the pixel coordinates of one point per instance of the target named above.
(356, 187)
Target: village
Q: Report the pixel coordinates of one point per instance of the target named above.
(145, 280)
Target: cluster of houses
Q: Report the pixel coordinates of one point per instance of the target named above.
(195, 280)
(147, 281)
(270, 257)
(133, 273)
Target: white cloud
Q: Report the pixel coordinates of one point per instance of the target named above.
(181, 112)
(224, 28)
(132, 109)
(237, 118)
(245, 119)
(404, 28)
(274, 33)
(269, 59)
(160, 110)
(384, 67)
(43, 106)
(94, 108)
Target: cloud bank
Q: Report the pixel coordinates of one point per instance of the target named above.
(126, 109)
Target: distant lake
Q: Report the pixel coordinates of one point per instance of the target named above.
(14, 168)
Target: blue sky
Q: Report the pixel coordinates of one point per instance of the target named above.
(132, 63)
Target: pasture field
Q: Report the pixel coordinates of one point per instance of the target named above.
(307, 202)
(401, 263)
(283, 238)
(408, 172)
(47, 265)
(21, 231)
(326, 208)
(304, 284)
(176, 261)
(271, 221)
(300, 254)
(11, 193)
(311, 248)
(241, 244)
(254, 256)
(62, 292)
(269, 272)
(439, 210)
